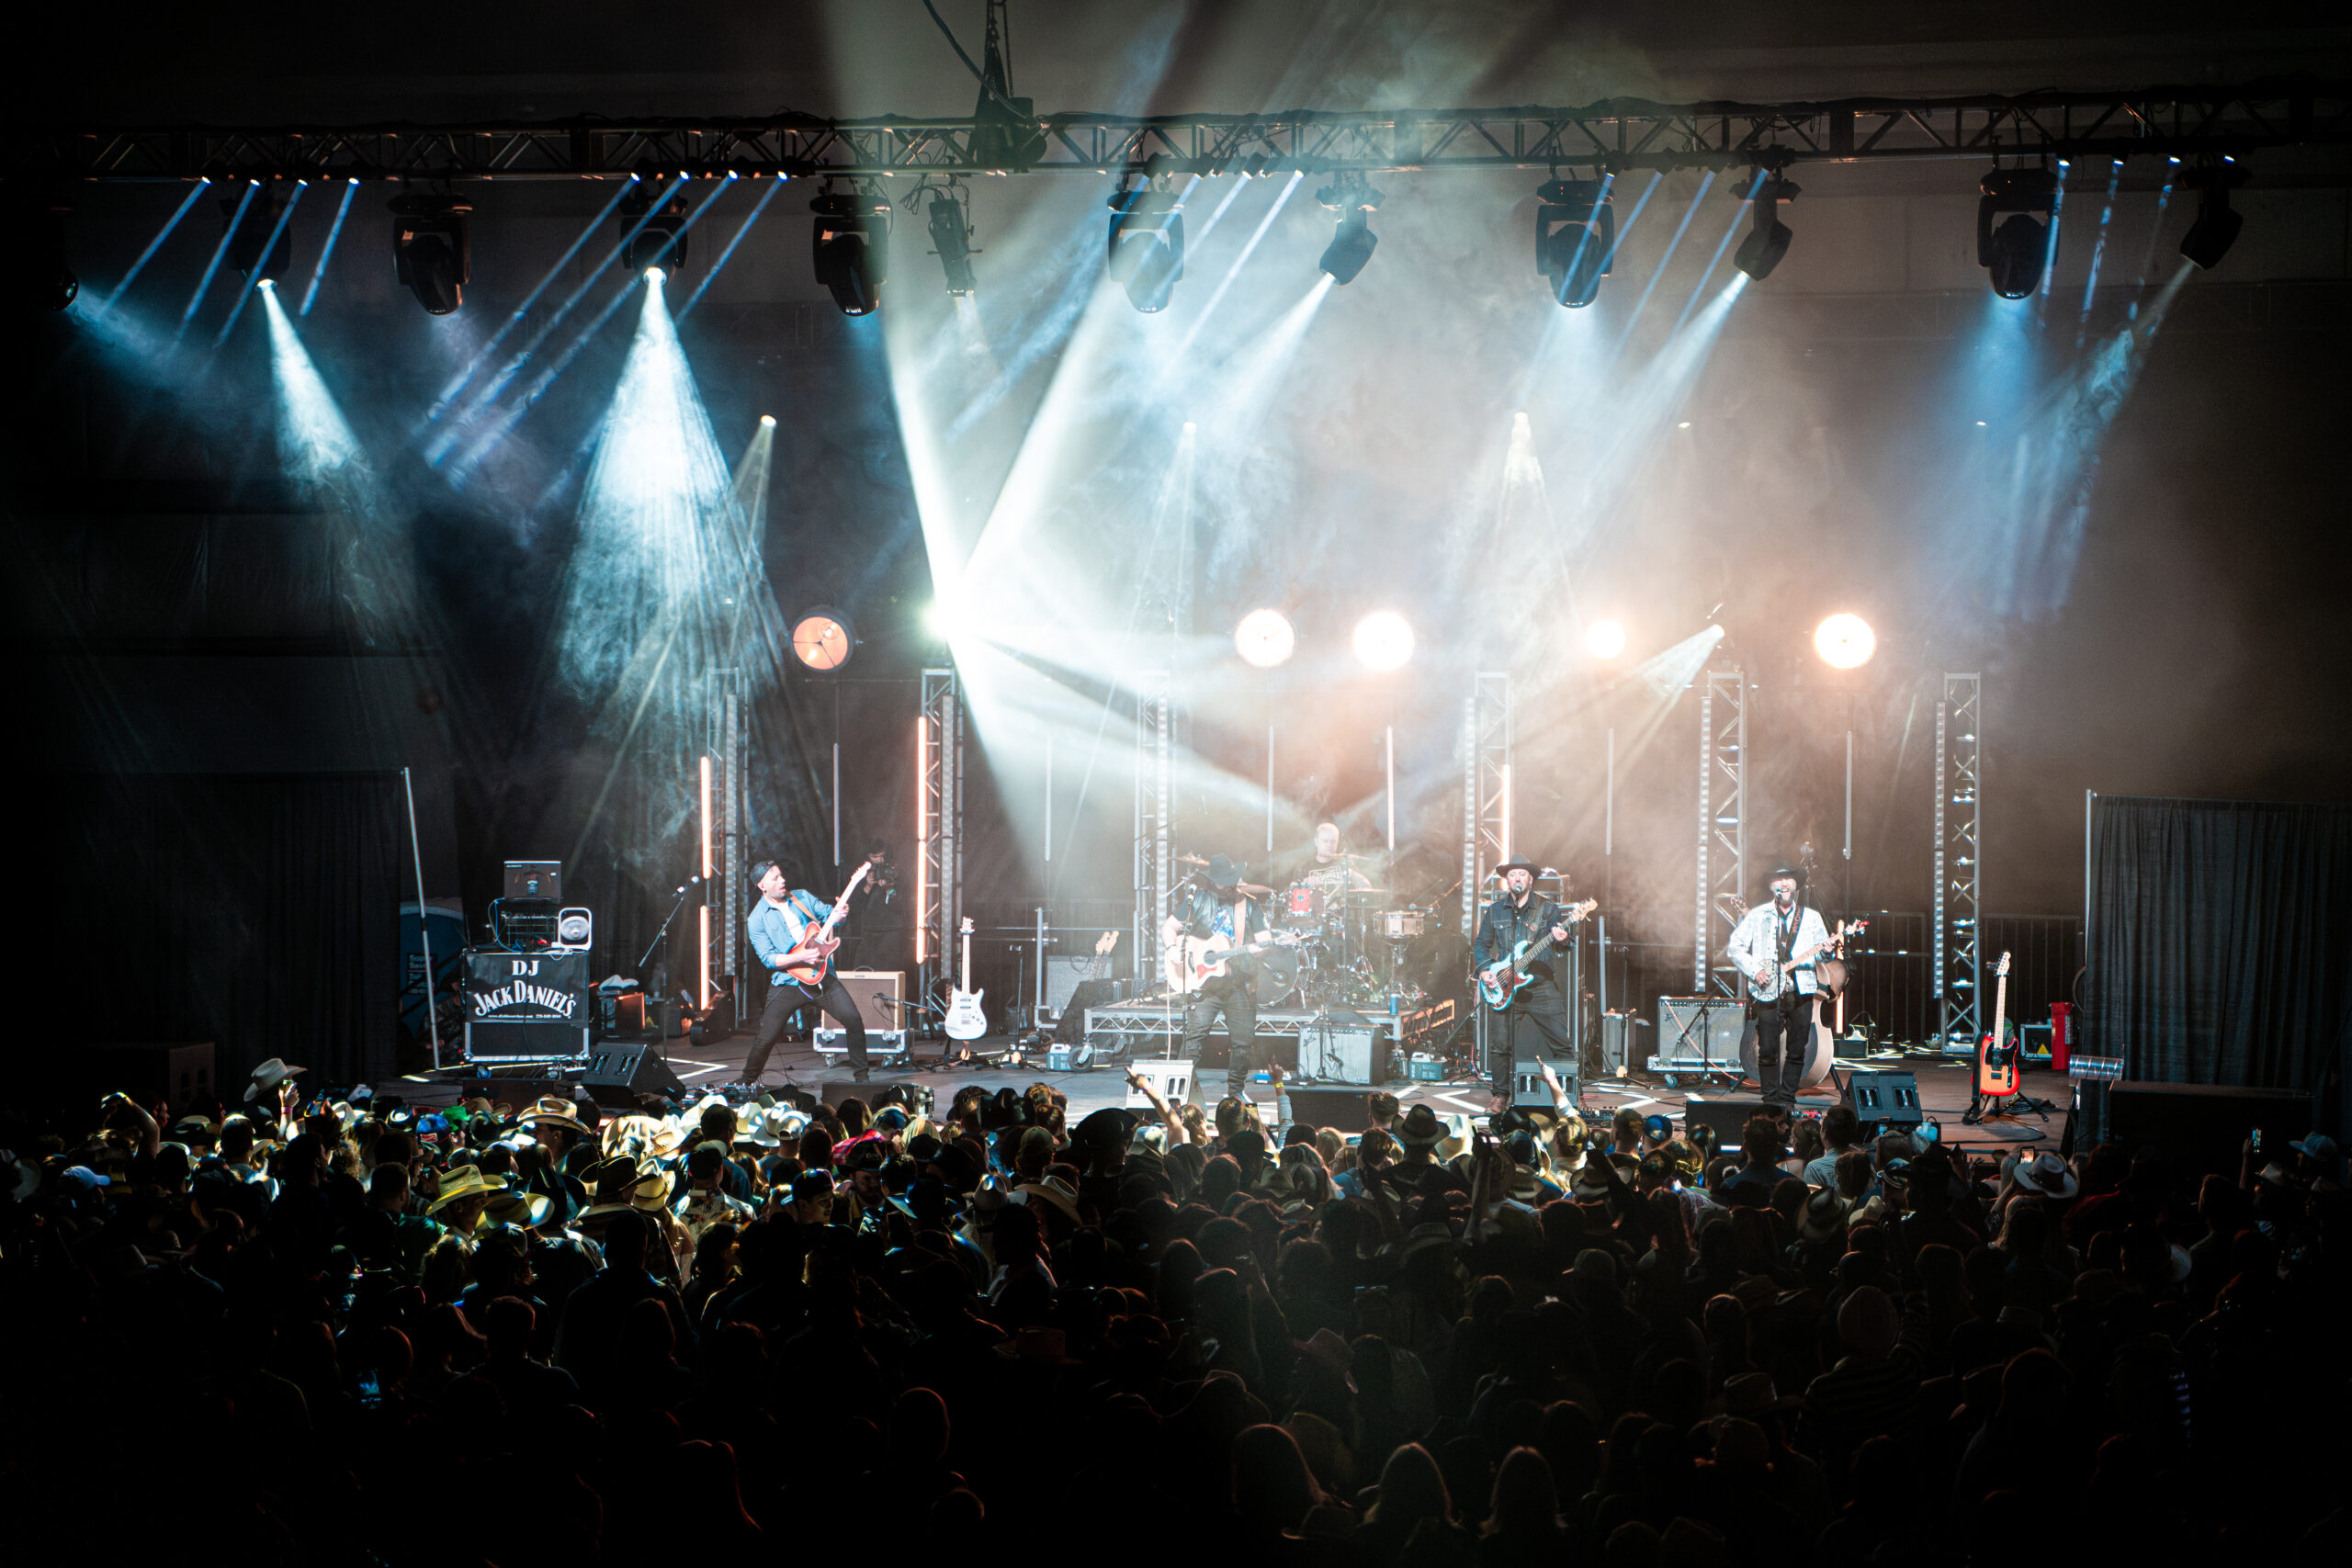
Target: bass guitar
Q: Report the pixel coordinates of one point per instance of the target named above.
(966, 1019)
(811, 961)
(1499, 983)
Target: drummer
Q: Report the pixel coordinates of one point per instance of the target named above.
(1332, 868)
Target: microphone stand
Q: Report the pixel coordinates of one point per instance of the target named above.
(660, 1027)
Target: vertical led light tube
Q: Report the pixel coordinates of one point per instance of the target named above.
(1506, 782)
(702, 914)
(702, 950)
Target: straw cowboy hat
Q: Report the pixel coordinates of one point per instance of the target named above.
(555, 1111)
(267, 1077)
(527, 1210)
(463, 1181)
(1055, 1191)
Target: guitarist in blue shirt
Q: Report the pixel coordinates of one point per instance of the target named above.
(780, 922)
(1523, 915)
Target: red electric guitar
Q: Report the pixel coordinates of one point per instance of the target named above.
(812, 960)
(1997, 1052)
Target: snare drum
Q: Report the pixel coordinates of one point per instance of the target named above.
(1400, 925)
(1303, 905)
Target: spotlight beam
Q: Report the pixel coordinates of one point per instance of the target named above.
(204, 284)
(1672, 245)
(154, 245)
(720, 264)
(522, 312)
(1721, 246)
(247, 293)
(1239, 261)
(318, 273)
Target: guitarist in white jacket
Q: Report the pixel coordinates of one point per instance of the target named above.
(1774, 946)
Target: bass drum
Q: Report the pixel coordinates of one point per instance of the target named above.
(1820, 1054)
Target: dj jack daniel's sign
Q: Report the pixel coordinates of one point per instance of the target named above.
(543, 987)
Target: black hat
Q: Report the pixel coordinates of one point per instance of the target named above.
(1781, 868)
(1225, 872)
(1519, 862)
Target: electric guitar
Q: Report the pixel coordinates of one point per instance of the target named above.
(1102, 964)
(1997, 1052)
(1499, 983)
(965, 1020)
(819, 947)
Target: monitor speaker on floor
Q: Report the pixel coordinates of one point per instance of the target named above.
(617, 1073)
(1341, 1109)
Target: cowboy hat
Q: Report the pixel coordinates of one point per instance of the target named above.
(555, 1111)
(1823, 1216)
(1054, 1191)
(269, 1075)
(1420, 1129)
(1518, 863)
(1226, 873)
(2046, 1174)
(652, 1194)
(463, 1181)
(525, 1211)
(610, 1182)
(1781, 868)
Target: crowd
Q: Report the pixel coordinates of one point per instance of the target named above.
(339, 1328)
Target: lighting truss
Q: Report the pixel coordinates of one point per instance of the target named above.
(1154, 757)
(1486, 786)
(1723, 827)
(937, 883)
(1614, 133)
(1960, 957)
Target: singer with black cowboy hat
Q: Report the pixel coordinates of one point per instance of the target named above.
(1774, 947)
(1217, 902)
(1538, 1014)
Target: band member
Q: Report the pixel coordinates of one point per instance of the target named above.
(1540, 1011)
(781, 923)
(1219, 903)
(1329, 867)
(1774, 945)
(867, 928)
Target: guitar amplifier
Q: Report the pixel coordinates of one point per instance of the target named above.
(1697, 1034)
(879, 995)
(1349, 1051)
(1065, 974)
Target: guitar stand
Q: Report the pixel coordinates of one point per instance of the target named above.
(1982, 1108)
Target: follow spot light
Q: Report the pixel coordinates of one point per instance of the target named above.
(2015, 253)
(851, 246)
(2216, 229)
(822, 638)
(951, 240)
(1352, 245)
(1605, 638)
(1264, 639)
(251, 247)
(1845, 641)
(432, 249)
(661, 241)
(1383, 640)
(1768, 240)
(1146, 246)
(1575, 238)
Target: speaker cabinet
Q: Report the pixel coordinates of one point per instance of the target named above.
(1342, 1108)
(618, 1074)
(1350, 1050)
(1880, 1097)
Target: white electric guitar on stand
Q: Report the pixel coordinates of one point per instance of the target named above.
(965, 1020)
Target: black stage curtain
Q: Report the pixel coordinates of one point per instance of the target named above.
(258, 911)
(2221, 942)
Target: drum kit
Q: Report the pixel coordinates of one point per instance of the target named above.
(1326, 927)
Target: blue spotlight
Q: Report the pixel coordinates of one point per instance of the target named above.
(1146, 246)
(1768, 242)
(2017, 253)
(1575, 238)
(155, 245)
(335, 232)
(727, 252)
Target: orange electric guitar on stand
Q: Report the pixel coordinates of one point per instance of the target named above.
(1995, 1085)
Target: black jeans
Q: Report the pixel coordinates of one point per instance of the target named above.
(1529, 1029)
(1235, 997)
(788, 996)
(1783, 1034)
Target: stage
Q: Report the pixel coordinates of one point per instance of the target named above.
(1944, 1087)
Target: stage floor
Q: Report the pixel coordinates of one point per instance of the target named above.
(1943, 1086)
